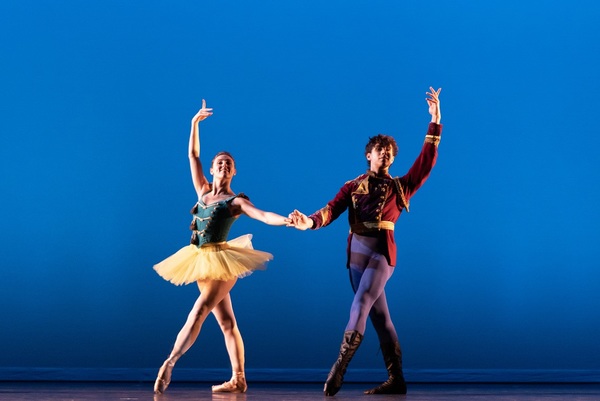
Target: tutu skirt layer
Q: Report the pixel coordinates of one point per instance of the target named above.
(213, 261)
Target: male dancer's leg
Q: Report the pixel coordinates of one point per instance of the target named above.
(369, 272)
(390, 349)
(382, 321)
(369, 285)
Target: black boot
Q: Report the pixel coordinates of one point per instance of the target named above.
(395, 384)
(350, 343)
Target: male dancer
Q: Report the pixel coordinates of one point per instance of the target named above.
(375, 201)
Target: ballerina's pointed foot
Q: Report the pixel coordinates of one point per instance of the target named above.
(237, 384)
(164, 377)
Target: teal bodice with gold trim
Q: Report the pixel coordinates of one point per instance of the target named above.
(211, 223)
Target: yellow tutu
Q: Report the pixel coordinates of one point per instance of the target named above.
(213, 261)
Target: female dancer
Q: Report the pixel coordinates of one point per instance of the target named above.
(374, 201)
(211, 261)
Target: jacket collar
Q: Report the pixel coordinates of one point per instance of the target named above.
(373, 174)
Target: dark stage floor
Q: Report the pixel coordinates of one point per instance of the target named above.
(44, 391)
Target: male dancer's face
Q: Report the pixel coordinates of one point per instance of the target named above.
(381, 158)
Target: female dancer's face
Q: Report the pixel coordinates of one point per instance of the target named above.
(223, 167)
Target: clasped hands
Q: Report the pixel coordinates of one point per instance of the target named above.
(299, 220)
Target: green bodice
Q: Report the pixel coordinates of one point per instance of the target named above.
(211, 223)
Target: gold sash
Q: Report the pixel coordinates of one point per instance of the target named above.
(370, 226)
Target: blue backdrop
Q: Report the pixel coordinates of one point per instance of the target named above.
(499, 257)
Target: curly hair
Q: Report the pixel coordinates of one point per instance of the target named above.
(383, 141)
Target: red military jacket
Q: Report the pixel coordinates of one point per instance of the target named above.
(375, 202)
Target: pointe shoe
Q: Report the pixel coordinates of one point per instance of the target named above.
(164, 377)
(237, 384)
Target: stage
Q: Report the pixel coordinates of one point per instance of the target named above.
(76, 391)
